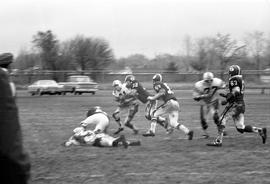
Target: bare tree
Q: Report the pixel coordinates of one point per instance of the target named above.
(227, 50)
(256, 43)
(90, 53)
(47, 45)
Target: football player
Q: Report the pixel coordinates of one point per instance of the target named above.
(81, 136)
(168, 111)
(236, 108)
(127, 106)
(97, 117)
(141, 94)
(205, 92)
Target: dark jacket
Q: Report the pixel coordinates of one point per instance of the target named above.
(14, 163)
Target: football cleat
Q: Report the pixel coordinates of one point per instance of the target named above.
(215, 143)
(190, 135)
(149, 134)
(124, 141)
(263, 134)
(118, 131)
(169, 130)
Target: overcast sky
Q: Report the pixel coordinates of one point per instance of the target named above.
(149, 27)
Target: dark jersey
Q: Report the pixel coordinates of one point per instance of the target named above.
(142, 93)
(237, 81)
(168, 94)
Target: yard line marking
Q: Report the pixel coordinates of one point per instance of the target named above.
(97, 175)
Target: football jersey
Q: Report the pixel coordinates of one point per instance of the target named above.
(168, 94)
(203, 88)
(125, 96)
(122, 92)
(142, 93)
(237, 81)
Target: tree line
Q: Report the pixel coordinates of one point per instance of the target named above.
(198, 54)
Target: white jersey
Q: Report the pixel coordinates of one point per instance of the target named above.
(123, 92)
(124, 96)
(100, 120)
(203, 88)
(89, 137)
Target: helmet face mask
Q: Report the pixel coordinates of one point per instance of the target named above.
(234, 70)
(157, 78)
(129, 78)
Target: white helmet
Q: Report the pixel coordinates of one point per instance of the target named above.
(208, 76)
(117, 83)
(78, 130)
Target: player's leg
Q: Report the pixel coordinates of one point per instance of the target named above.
(116, 117)
(157, 117)
(173, 121)
(238, 118)
(204, 125)
(221, 127)
(131, 113)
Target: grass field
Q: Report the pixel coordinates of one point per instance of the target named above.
(47, 122)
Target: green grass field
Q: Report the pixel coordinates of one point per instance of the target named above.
(47, 121)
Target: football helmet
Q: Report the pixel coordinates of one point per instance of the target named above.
(234, 70)
(93, 110)
(129, 78)
(78, 130)
(208, 77)
(157, 78)
(117, 83)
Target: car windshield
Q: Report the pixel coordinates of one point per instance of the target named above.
(80, 79)
(46, 82)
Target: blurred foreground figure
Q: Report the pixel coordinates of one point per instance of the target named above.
(14, 163)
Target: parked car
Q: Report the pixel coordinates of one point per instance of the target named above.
(41, 87)
(79, 84)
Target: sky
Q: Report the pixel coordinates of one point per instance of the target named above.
(148, 27)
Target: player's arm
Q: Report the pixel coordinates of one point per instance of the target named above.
(156, 96)
(198, 94)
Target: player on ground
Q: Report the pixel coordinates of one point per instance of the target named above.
(236, 108)
(97, 117)
(205, 92)
(127, 106)
(168, 111)
(82, 136)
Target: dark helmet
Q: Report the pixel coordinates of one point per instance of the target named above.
(6, 59)
(157, 78)
(234, 70)
(129, 78)
(93, 110)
